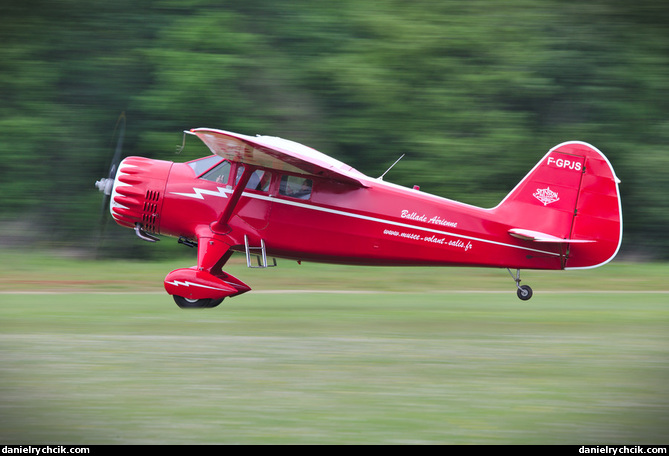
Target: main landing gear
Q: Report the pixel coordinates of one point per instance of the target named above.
(524, 291)
(186, 303)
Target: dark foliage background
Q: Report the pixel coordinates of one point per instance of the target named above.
(473, 92)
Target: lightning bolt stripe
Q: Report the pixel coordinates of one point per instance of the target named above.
(199, 192)
(178, 283)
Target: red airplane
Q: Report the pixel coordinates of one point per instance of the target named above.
(269, 197)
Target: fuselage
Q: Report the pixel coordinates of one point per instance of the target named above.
(305, 217)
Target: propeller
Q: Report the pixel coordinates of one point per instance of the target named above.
(106, 184)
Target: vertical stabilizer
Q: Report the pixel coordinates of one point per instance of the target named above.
(571, 196)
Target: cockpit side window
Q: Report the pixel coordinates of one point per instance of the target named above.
(219, 174)
(259, 180)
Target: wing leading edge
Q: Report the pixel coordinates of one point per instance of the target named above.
(277, 153)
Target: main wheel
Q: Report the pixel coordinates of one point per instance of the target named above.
(186, 303)
(524, 292)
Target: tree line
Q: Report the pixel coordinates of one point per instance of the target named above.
(474, 93)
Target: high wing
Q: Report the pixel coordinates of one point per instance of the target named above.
(277, 153)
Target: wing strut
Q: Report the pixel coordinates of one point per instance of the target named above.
(221, 226)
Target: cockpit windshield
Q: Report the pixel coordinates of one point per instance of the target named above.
(212, 168)
(203, 164)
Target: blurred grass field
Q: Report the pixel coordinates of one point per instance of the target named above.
(96, 353)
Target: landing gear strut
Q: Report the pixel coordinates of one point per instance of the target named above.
(524, 291)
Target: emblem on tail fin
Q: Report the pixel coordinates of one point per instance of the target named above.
(546, 196)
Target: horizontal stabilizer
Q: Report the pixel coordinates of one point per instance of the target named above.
(537, 236)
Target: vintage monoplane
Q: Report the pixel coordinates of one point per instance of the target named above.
(269, 197)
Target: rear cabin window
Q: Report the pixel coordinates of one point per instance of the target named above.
(295, 187)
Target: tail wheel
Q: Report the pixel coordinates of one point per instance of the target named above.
(186, 303)
(524, 292)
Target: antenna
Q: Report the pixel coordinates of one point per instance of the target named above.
(391, 166)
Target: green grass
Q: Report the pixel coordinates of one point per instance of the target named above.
(49, 272)
(411, 362)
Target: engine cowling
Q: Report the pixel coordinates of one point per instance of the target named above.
(137, 195)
